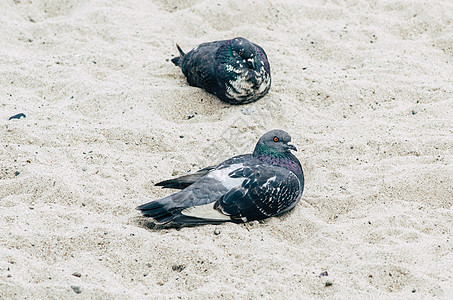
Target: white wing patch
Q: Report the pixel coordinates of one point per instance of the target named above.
(222, 176)
(270, 180)
(206, 211)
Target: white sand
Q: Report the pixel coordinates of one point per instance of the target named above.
(365, 88)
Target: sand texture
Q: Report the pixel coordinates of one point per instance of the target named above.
(365, 88)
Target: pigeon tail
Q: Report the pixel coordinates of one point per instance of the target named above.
(157, 211)
(182, 219)
(162, 215)
(177, 60)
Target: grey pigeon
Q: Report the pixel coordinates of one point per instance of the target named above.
(237, 71)
(247, 187)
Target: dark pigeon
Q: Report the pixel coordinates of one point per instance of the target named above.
(237, 71)
(248, 187)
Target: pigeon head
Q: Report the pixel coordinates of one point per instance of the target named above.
(274, 148)
(243, 71)
(242, 55)
(244, 52)
(275, 143)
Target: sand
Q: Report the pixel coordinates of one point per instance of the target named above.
(365, 88)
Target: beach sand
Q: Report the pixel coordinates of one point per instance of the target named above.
(365, 88)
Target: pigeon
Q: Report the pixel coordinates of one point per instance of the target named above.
(237, 71)
(244, 188)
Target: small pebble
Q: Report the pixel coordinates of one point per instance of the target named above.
(178, 268)
(328, 283)
(217, 231)
(76, 274)
(31, 207)
(84, 168)
(17, 173)
(76, 289)
(414, 112)
(413, 290)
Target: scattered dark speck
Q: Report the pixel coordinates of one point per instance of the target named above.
(178, 268)
(328, 283)
(414, 112)
(16, 173)
(76, 289)
(76, 274)
(181, 136)
(190, 116)
(246, 111)
(413, 290)
(325, 273)
(18, 116)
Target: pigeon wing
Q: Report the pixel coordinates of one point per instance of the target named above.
(267, 191)
(184, 181)
(199, 66)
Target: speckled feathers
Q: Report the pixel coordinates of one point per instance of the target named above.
(266, 183)
(236, 71)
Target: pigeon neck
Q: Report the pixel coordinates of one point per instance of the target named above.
(281, 159)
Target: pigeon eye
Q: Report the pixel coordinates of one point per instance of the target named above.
(240, 53)
(276, 139)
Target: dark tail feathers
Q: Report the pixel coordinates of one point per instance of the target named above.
(177, 60)
(157, 211)
(162, 215)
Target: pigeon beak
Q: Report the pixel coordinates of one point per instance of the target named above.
(291, 146)
(251, 63)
